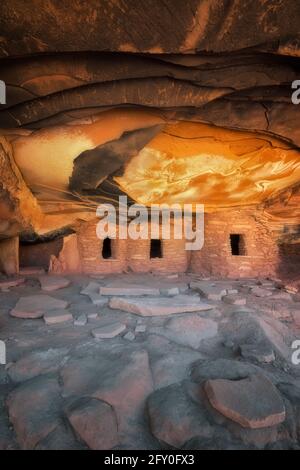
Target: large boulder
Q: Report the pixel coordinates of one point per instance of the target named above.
(118, 376)
(159, 306)
(174, 418)
(95, 422)
(33, 409)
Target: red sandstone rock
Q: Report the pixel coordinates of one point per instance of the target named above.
(52, 283)
(126, 388)
(108, 331)
(95, 422)
(57, 316)
(253, 402)
(190, 329)
(118, 288)
(159, 306)
(33, 410)
(35, 306)
(234, 299)
(175, 418)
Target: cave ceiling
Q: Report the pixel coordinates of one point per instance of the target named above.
(165, 102)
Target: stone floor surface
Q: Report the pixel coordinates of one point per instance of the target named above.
(146, 361)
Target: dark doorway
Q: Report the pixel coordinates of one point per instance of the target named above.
(237, 244)
(38, 253)
(106, 248)
(155, 248)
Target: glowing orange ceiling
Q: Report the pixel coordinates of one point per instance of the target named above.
(197, 163)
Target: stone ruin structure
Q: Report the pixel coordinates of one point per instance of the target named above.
(168, 102)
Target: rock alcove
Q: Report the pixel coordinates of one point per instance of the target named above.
(193, 107)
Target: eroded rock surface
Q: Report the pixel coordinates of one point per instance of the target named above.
(33, 410)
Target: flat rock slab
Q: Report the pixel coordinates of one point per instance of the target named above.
(92, 291)
(259, 292)
(52, 283)
(209, 290)
(234, 299)
(35, 306)
(128, 289)
(149, 307)
(7, 283)
(33, 409)
(109, 331)
(253, 402)
(259, 352)
(57, 316)
(32, 271)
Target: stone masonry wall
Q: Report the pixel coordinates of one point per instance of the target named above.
(259, 256)
(129, 254)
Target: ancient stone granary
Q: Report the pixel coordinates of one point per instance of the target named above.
(186, 102)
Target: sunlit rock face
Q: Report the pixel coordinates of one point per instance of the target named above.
(47, 157)
(190, 163)
(19, 209)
